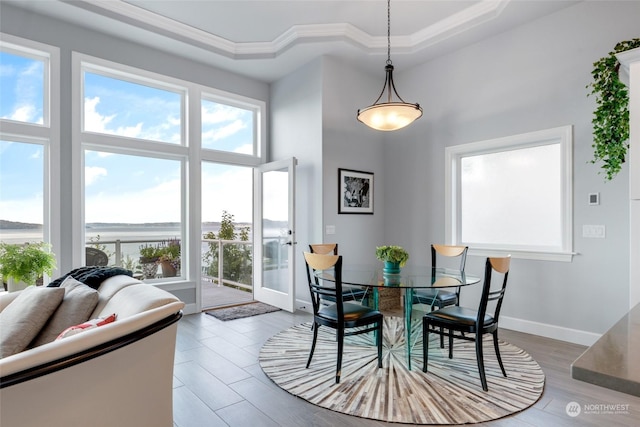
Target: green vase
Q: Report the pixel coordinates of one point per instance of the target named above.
(391, 267)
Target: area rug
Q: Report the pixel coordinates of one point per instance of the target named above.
(240, 311)
(449, 393)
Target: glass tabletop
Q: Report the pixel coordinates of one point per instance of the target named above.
(413, 277)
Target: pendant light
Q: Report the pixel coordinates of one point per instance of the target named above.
(390, 115)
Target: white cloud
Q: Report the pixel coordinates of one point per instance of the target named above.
(92, 174)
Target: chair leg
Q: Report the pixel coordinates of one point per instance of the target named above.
(313, 343)
(379, 342)
(480, 360)
(441, 337)
(340, 348)
(497, 348)
(425, 345)
(450, 344)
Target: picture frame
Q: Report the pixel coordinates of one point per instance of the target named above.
(355, 192)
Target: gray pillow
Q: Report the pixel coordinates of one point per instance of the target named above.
(79, 302)
(23, 318)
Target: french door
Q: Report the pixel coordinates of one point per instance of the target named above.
(274, 234)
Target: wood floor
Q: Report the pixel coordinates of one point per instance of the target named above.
(218, 381)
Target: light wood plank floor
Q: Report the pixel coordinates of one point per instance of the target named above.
(218, 381)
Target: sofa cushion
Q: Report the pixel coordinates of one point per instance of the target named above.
(90, 324)
(77, 305)
(25, 316)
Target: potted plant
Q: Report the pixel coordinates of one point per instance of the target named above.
(149, 256)
(394, 257)
(611, 117)
(170, 257)
(22, 265)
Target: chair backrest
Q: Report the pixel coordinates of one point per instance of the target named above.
(500, 265)
(449, 251)
(94, 256)
(324, 248)
(325, 289)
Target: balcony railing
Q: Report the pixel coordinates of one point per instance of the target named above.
(224, 262)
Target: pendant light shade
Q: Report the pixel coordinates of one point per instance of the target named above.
(389, 115)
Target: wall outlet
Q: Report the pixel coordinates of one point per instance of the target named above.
(330, 229)
(593, 231)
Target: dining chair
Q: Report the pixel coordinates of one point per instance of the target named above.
(472, 321)
(439, 298)
(442, 298)
(346, 318)
(349, 293)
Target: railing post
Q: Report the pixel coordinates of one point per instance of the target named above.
(220, 259)
(118, 253)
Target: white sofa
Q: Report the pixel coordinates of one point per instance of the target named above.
(119, 374)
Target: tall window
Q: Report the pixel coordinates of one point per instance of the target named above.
(512, 194)
(134, 181)
(29, 173)
(143, 138)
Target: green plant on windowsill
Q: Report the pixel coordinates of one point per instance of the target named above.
(392, 254)
(611, 117)
(26, 262)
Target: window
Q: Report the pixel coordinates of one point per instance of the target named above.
(29, 149)
(157, 155)
(512, 195)
(130, 109)
(229, 128)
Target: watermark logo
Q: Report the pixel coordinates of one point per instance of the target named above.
(573, 409)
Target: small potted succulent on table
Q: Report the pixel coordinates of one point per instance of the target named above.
(22, 265)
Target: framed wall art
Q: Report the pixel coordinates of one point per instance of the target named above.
(355, 192)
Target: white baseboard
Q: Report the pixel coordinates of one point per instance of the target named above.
(550, 331)
(189, 309)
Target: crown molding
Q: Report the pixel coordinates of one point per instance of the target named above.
(474, 15)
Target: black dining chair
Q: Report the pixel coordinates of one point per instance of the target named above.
(440, 298)
(349, 293)
(346, 318)
(472, 321)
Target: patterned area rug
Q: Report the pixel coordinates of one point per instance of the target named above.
(449, 393)
(240, 311)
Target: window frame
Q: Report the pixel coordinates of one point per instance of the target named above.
(46, 134)
(560, 135)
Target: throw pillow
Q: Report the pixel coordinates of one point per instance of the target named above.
(25, 316)
(91, 324)
(76, 307)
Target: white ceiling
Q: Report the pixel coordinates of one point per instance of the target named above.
(266, 40)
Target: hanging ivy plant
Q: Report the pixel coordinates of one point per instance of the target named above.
(611, 118)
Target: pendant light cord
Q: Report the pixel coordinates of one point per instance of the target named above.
(388, 32)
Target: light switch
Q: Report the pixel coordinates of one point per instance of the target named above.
(330, 229)
(593, 231)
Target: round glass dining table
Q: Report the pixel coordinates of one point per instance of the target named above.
(358, 277)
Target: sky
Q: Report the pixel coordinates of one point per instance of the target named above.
(119, 187)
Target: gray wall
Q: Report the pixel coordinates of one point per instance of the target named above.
(296, 131)
(524, 80)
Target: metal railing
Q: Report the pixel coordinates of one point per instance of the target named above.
(125, 253)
